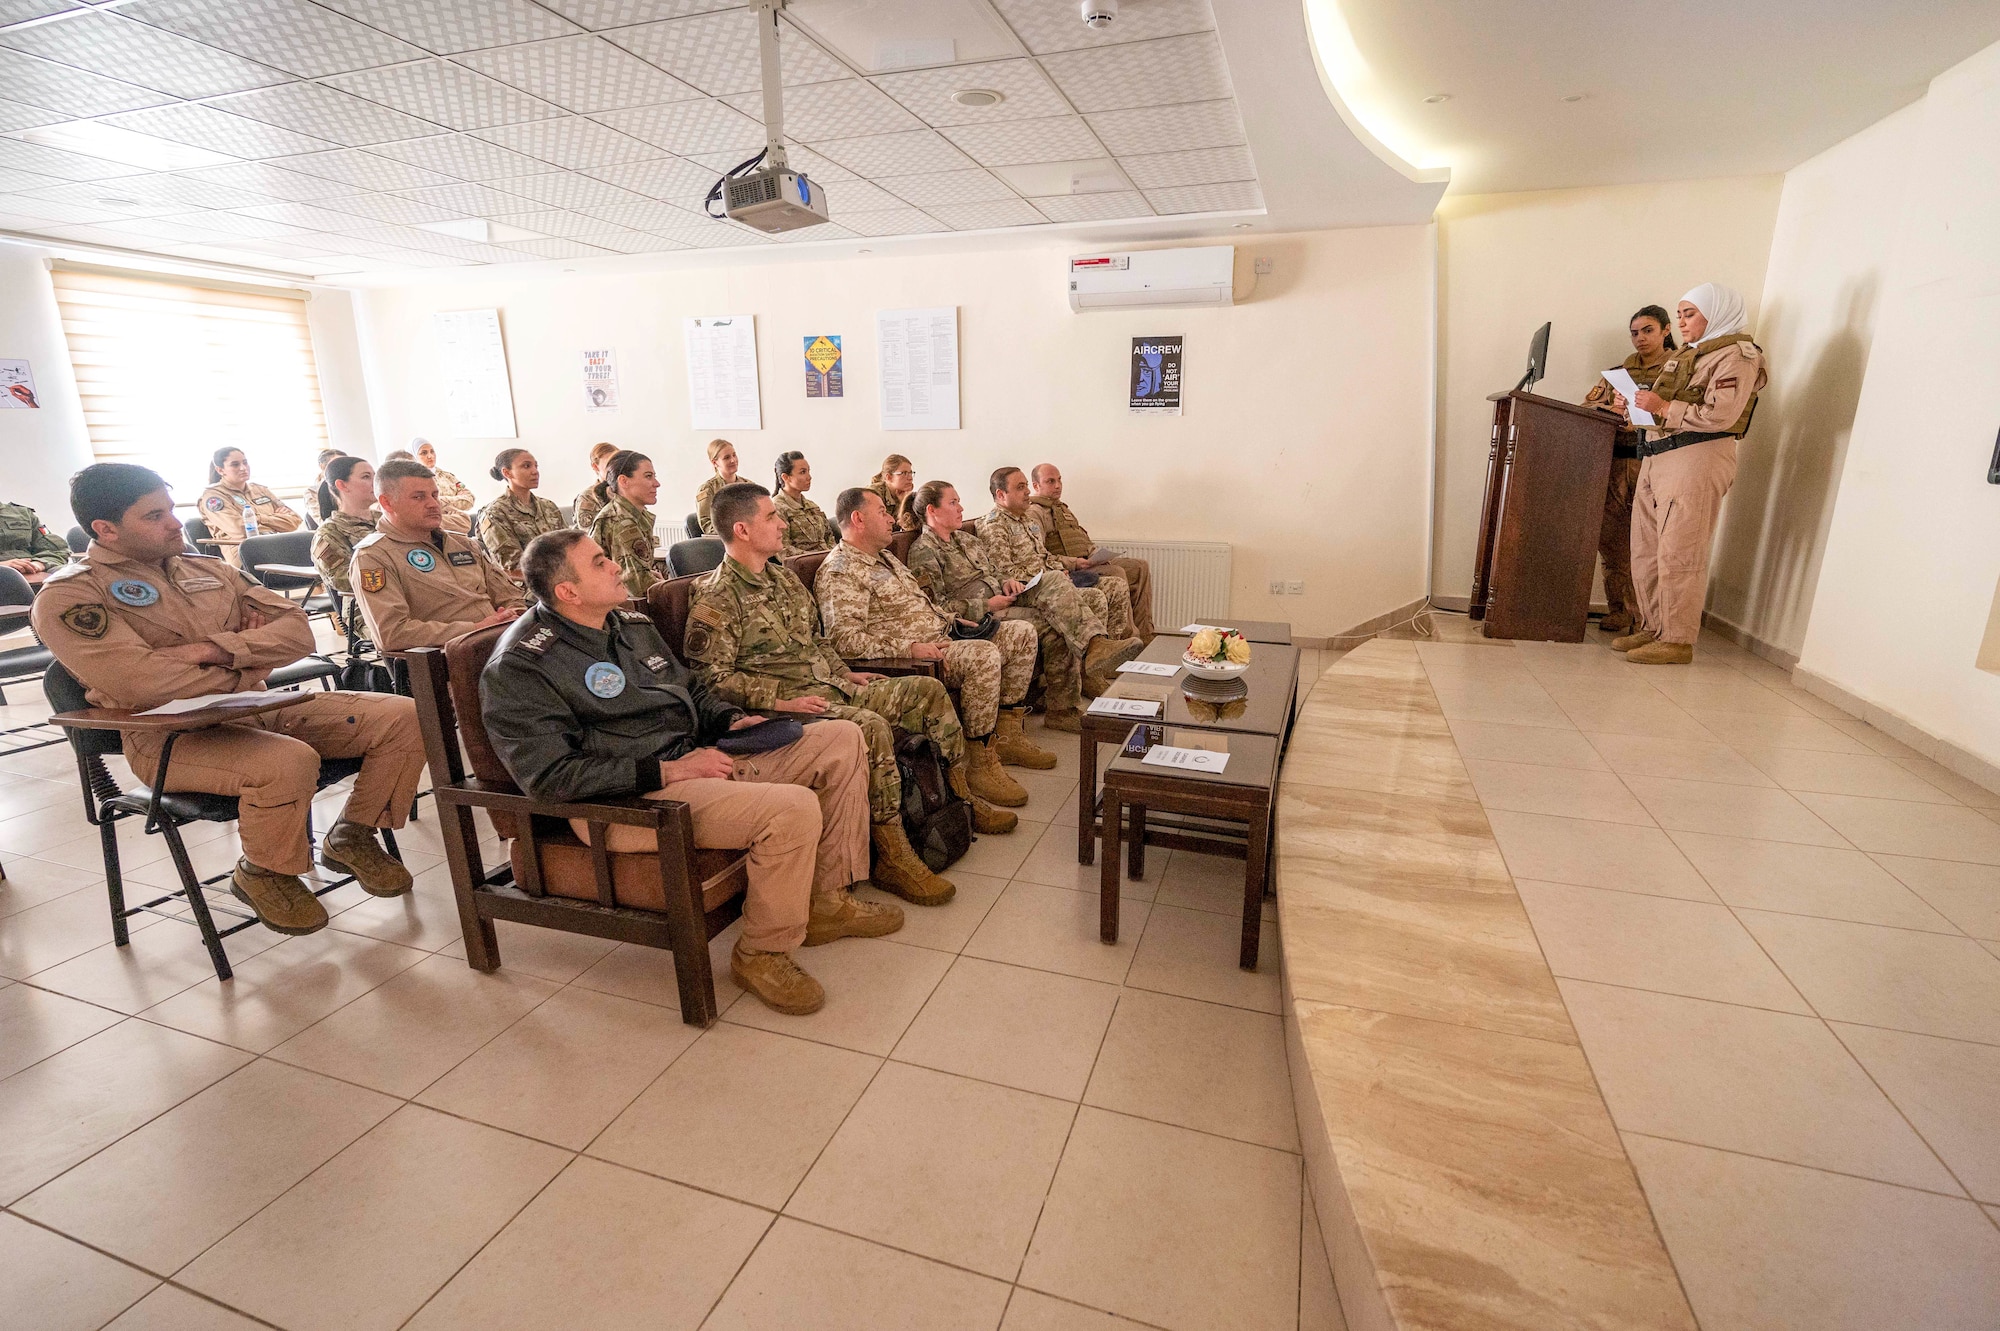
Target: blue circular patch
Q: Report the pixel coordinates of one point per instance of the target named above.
(604, 679)
(422, 560)
(135, 593)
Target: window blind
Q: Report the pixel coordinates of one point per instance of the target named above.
(171, 370)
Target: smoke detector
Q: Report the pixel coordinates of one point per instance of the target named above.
(1097, 14)
(978, 97)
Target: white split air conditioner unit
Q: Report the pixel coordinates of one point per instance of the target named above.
(1152, 278)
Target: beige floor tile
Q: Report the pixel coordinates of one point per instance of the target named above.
(166, 1192)
(30, 882)
(1047, 790)
(1485, 740)
(152, 967)
(1053, 863)
(279, 992)
(405, 1034)
(564, 1071)
(1213, 883)
(1875, 739)
(387, 1222)
(50, 825)
(72, 1104)
(1319, 1300)
(999, 856)
(1744, 1079)
(1846, 774)
(1808, 880)
(945, 928)
(802, 1275)
(899, 1170)
(1482, 658)
(1633, 715)
(1744, 811)
(35, 1024)
(1719, 693)
(1668, 946)
(1755, 730)
(1686, 759)
(1194, 953)
(742, 1112)
(1763, 1246)
(874, 989)
(1525, 788)
(1594, 854)
(1198, 1065)
(53, 932)
(1900, 827)
(1966, 894)
(1899, 978)
(1030, 1029)
(548, 953)
(170, 1309)
(1055, 929)
(1514, 702)
(1948, 1089)
(26, 794)
(425, 917)
(1029, 1311)
(51, 1284)
(646, 974)
(661, 1263)
(1170, 1226)
(1950, 782)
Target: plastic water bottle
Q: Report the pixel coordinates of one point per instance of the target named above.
(249, 520)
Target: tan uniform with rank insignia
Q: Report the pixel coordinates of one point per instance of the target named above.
(624, 530)
(107, 618)
(1614, 534)
(505, 528)
(807, 529)
(1018, 552)
(457, 502)
(221, 509)
(423, 591)
(958, 576)
(1066, 537)
(333, 548)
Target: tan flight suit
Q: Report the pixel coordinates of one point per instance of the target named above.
(424, 590)
(1710, 388)
(457, 501)
(1067, 538)
(106, 618)
(221, 508)
(1614, 531)
(1018, 551)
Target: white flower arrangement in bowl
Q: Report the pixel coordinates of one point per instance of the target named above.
(1217, 654)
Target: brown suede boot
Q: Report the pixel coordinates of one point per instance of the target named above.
(898, 869)
(1636, 638)
(1614, 626)
(776, 981)
(1102, 659)
(1067, 721)
(841, 914)
(1011, 746)
(350, 848)
(987, 778)
(1662, 653)
(281, 900)
(986, 820)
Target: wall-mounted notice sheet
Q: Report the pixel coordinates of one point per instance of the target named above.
(472, 361)
(600, 380)
(722, 373)
(917, 353)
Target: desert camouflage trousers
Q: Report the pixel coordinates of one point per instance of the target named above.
(916, 704)
(1062, 680)
(1117, 594)
(990, 673)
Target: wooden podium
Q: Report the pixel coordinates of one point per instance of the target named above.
(1545, 480)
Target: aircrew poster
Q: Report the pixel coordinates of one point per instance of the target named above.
(823, 378)
(1156, 376)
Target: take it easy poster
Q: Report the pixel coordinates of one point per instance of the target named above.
(1156, 376)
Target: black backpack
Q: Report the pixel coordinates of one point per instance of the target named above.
(939, 823)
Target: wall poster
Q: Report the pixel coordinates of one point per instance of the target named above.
(1155, 385)
(722, 372)
(918, 351)
(600, 380)
(823, 366)
(17, 386)
(472, 361)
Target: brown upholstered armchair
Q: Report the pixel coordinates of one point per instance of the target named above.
(676, 898)
(667, 602)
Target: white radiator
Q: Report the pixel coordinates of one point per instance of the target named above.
(1190, 579)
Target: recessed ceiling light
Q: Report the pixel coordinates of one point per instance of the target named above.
(1576, 97)
(1436, 98)
(94, 138)
(864, 251)
(1242, 226)
(121, 203)
(978, 97)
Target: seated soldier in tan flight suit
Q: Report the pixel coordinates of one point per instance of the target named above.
(421, 586)
(140, 622)
(1068, 540)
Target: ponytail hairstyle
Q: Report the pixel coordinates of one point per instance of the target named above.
(783, 468)
(500, 464)
(217, 458)
(1660, 317)
(623, 463)
(881, 477)
(715, 447)
(926, 497)
(341, 469)
(599, 452)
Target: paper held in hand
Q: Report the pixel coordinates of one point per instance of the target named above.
(1187, 760)
(1029, 585)
(1135, 707)
(1621, 379)
(207, 700)
(1160, 668)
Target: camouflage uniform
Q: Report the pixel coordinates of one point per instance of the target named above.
(704, 504)
(333, 548)
(505, 528)
(456, 501)
(1068, 538)
(585, 510)
(957, 577)
(806, 527)
(900, 512)
(755, 640)
(625, 532)
(1019, 552)
(22, 536)
(871, 606)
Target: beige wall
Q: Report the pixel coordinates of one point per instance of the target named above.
(1584, 259)
(40, 449)
(1304, 446)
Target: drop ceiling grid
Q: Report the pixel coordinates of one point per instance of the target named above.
(604, 120)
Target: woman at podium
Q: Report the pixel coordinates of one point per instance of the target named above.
(1650, 344)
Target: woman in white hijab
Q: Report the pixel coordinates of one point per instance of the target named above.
(1702, 401)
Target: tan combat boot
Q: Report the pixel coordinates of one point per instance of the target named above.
(1614, 626)
(897, 868)
(1066, 720)
(350, 848)
(986, 820)
(1636, 638)
(281, 900)
(1662, 653)
(841, 914)
(777, 981)
(1011, 746)
(1102, 659)
(988, 779)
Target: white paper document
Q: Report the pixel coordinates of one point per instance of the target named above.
(1187, 760)
(917, 368)
(1136, 707)
(1621, 379)
(472, 362)
(1197, 628)
(722, 373)
(1029, 585)
(1148, 668)
(208, 700)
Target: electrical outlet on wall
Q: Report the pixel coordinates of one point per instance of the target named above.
(1277, 587)
(1296, 587)
(1262, 267)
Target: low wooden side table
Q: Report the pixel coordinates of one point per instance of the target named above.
(1244, 792)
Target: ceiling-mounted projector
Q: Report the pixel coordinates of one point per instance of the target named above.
(764, 192)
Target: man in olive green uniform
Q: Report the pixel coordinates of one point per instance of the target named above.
(1014, 538)
(419, 585)
(1069, 541)
(26, 545)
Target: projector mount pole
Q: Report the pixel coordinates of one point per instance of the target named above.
(774, 94)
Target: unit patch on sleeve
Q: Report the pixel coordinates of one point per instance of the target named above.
(372, 580)
(87, 620)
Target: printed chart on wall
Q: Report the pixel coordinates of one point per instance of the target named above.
(1155, 383)
(824, 377)
(722, 373)
(472, 361)
(17, 386)
(600, 381)
(918, 355)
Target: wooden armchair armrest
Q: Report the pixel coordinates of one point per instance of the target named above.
(629, 809)
(897, 665)
(671, 820)
(117, 718)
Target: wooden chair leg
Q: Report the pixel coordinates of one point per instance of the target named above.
(196, 901)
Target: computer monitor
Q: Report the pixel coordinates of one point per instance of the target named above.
(1538, 358)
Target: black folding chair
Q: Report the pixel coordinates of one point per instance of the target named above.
(694, 531)
(695, 556)
(199, 538)
(283, 562)
(18, 665)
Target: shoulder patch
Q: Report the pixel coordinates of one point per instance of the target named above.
(537, 642)
(73, 569)
(634, 616)
(372, 580)
(88, 620)
(706, 613)
(213, 503)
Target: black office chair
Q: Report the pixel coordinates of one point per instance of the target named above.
(107, 804)
(199, 538)
(695, 556)
(79, 540)
(568, 512)
(262, 556)
(20, 664)
(694, 531)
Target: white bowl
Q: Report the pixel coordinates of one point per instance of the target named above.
(1212, 669)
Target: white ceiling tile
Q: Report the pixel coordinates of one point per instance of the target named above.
(1159, 73)
(71, 91)
(393, 208)
(461, 156)
(839, 109)
(271, 180)
(1054, 25)
(983, 216)
(300, 215)
(252, 228)
(20, 11)
(805, 235)
(859, 196)
(564, 190)
(1203, 166)
(12, 181)
(118, 48)
(1159, 129)
(365, 170)
(44, 215)
(409, 237)
(581, 74)
(599, 14)
(1227, 198)
(690, 127)
(303, 245)
(975, 186)
(910, 153)
(394, 257)
(624, 240)
(671, 178)
(447, 93)
(109, 198)
(570, 141)
(717, 53)
(892, 222)
(218, 131)
(163, 228)
(823, 170)
(1094, 207)
(475, 200)
(293, 35)
(647, 216)
(552, 221)
(23, 156)
(180, 192)
(1025, 91)
(560, 249)
(1019, 142)
(20, 115)
(327, 113)
(700, 232)
(446, 27)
